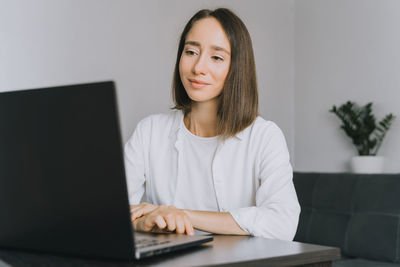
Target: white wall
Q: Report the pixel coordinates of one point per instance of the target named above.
(54, 42)
(340, 50)
(344, 50)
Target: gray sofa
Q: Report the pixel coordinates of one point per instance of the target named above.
(360, 214)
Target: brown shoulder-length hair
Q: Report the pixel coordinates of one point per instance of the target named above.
(238, 102)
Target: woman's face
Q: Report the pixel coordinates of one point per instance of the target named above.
(205, 60)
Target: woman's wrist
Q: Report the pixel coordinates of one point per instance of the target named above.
(214, 222)
(188, 213)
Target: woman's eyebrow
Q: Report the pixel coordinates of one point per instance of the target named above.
(214, 47)
(192, 43)
(218, 48)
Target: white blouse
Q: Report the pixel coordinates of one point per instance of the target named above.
(195, 188)
(250, 174)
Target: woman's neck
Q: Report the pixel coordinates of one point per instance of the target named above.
(202, 119)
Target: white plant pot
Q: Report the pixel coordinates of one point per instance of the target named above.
(367, 164)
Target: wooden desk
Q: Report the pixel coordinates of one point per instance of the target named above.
(223, 251)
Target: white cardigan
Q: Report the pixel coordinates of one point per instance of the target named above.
(251, 172)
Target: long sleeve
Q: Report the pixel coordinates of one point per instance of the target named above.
(134, 165)
(277, 209)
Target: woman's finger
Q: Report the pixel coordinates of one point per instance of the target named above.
(188, 226)
(141, 205)
(180, 225)
(160, 222)
(138, 213)
(141, 210)
(143, 224)
(170, 220)
(133, 209)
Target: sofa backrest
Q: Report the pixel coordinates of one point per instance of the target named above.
(359, 213)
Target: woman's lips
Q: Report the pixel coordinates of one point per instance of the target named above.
(197, 84)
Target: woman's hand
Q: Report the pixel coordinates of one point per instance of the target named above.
(165, 219)
(141, 209)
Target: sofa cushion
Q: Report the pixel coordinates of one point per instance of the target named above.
(362, 263)
(358, 213)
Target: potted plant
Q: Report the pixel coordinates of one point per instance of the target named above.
(360, 125)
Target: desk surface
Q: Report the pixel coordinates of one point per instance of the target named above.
(224, 250)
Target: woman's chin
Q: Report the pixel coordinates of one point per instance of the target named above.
(203, 99)
(201, 96)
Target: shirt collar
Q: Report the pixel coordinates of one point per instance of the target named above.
(177, 125)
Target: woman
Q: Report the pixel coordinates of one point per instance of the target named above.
(212, 164)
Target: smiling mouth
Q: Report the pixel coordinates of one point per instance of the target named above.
(198, 84)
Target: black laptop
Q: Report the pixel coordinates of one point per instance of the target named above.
(62, 176)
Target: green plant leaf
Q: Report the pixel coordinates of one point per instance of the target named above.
(359, 123)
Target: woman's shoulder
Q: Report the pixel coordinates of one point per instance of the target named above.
(161, 121)
(262, 126)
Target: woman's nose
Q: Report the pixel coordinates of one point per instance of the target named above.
(200, 66)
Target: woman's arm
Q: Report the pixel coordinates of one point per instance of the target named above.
(277, 209)
(215, 222)
(150, 218)
(134, 163)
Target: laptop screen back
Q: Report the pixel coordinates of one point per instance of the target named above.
(62, 179)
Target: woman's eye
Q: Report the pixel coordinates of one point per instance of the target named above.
(190, 52)
(218, 58)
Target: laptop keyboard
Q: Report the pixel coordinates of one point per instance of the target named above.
(145, 242)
